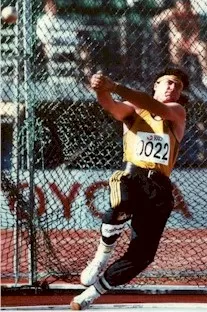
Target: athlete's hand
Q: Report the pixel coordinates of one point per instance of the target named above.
(99, 82)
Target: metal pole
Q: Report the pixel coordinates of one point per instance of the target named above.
(15, 143)
(29, 105)
(31, 129)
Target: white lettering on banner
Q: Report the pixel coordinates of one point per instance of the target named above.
(153, 147)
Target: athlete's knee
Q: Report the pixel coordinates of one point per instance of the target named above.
(117, 215)
(113, 223)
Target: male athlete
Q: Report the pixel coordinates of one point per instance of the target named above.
(141, 192)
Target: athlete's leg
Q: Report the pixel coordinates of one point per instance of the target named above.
(148, 227)
(113, 223)
(148, 224)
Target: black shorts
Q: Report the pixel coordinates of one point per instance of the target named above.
(141, 194)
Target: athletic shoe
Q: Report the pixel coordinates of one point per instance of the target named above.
(84, 300)
(81, 305)
(91, 273)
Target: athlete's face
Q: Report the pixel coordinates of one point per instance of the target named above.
(168, 89)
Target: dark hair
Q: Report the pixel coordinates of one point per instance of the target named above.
(176, 72)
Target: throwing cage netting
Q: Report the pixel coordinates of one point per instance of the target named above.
(59, 147)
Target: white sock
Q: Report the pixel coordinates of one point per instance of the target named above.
(103, 251)
(91, 293)
(104, 247)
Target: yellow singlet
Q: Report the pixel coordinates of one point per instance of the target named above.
(150, 143)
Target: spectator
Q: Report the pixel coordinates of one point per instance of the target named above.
(60, 38)
(54, 29)
(184, 33)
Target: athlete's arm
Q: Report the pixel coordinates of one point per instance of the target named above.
(119, 110)
(170, 111)
(102, 86)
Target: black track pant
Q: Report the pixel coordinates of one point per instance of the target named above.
(145, 198)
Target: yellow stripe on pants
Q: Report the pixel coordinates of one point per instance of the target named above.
(115, 190)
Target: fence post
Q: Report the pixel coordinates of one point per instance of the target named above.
(28, 89)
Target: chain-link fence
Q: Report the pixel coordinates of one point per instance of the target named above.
(59, 147)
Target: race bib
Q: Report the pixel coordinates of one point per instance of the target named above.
(153, 147)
